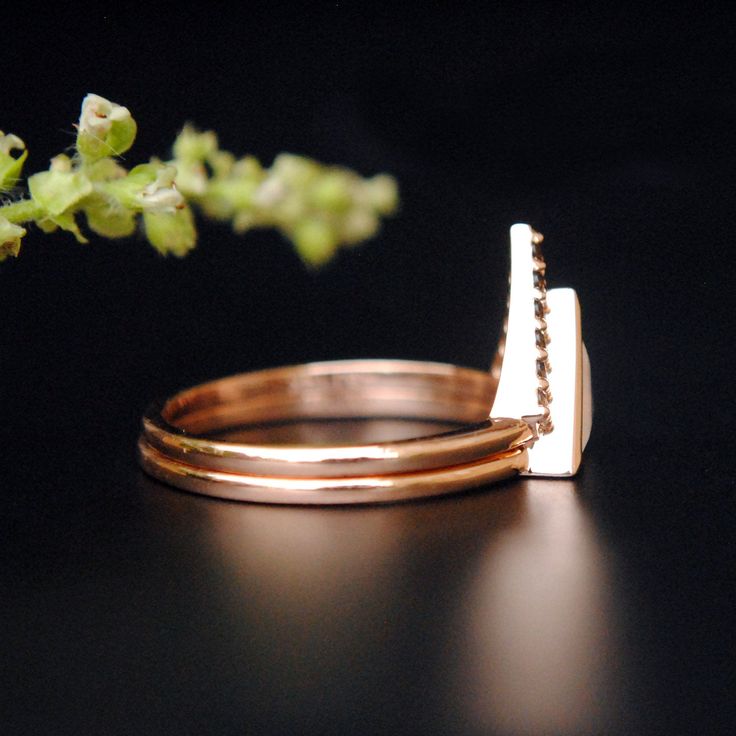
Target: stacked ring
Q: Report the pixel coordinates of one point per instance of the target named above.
(180, 438)
(419, 428)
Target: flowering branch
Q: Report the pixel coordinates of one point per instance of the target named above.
(319, 208)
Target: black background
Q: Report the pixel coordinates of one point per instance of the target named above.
(611, 130)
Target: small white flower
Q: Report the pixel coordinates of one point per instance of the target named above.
(161, 195)
(61, 163)
(9, 142)
(98, 115)
(192, 179)
(10, 237)
(270, 192)
(191, 145)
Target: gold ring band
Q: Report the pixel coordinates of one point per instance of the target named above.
(186, 428)
(177, 445)
(332, 491)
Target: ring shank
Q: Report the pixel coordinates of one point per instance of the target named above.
(182, 438)
(332, 491)
(333, 390)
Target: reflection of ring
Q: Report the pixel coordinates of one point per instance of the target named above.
(418, 429)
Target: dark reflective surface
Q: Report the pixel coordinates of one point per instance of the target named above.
(517, 609)
(596, 606)
(490, 612)
(515, 628)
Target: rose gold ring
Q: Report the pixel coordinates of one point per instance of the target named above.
(367, 431)
(196, 439)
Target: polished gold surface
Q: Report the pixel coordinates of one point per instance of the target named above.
(189, 427)
(350, 490)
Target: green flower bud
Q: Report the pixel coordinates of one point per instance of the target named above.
(58, 191)
(229, 197)
(288, 211)
(61, 163)
(10, 237)
(65, 221)
(191, 145)
(383, 193)
(105, 129)
(106, 169)
(296, 171)
(48, 226)
(216, 202)
(331, 192)
(248, 167)
(359, 224)
(315, 240)
(107, 218)
(191, 178)
(9, 142)
(242, 193)
(270, 192)
(10, 167)
(171, 232)
(222, 163)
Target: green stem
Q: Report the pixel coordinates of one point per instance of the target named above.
(22, 211)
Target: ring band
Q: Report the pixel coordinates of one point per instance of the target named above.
(179, 442)
(186, 427)
(436, 433)
(332, 491)
(480, 452)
